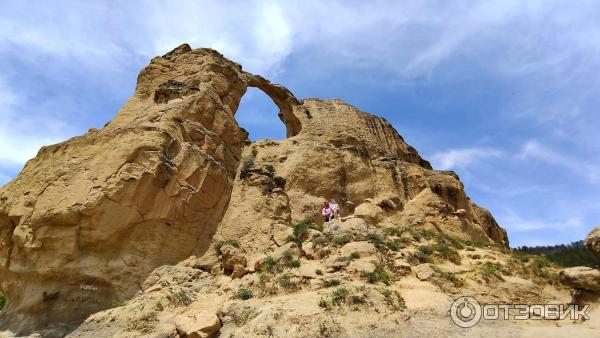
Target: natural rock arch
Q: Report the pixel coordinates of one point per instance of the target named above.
(282, 97)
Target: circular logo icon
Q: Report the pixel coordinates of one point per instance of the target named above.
(465, 312)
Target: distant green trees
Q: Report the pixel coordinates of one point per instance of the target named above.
(574, 254)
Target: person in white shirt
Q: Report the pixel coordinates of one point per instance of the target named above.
(335, 208)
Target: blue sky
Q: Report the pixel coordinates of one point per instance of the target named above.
(506, 93)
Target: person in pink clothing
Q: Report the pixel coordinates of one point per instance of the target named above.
(327, 212)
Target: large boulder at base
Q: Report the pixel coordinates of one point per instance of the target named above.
(581, 277)
(88, 219)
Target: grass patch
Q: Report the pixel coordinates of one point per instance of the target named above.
(269, 264)
(356, 300)
(425, 253)
(339, 296)
(379, 275)
(490, 271)
(341, 240)
(331, 282)
(286, 282)
(322, 240)
(449, 276)
(393, 299)
(180, 298)
(376, 240)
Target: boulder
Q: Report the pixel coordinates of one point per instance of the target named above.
(312, 234)
(581, 277)
(363, 248)
(309, 250)
(239, 271)
(353, 227)
(309, 270)
(232, 256)
(203, 324)
(424, 271)
(402, 266)
(368, 211)
(592, 241)
(281, 233)
(363, 264)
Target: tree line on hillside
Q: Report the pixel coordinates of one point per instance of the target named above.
(565, 255)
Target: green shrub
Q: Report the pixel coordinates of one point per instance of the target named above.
(319, 272)
(341, 240)
(489, 270)
(245, 294)
(397, 304)
(286, 282)
(322, 240)
(2, 301)
(355, 299)
(354, 255)
(419, 257)
(395, 231)
(376, 240)
(397, 243)
(448, 253)
(449, 276)
(180, 297)
(294, 263)
(323, 303)
(270, 168)
(269, 264)
(379, 275)
(324, 253)
(339, 296)
(287, 255)
(331, 282)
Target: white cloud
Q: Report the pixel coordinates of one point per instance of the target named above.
(582, 167)
(22, 134)
(462, 158)
(517, 223)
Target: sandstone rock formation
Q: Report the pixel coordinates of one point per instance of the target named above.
(88, 219)
(592, 241)
(584, 281)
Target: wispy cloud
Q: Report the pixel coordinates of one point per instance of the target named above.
(462, 158)
(20, 137)
(582, 167)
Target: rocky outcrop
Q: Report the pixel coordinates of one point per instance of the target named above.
(584, 281)
(88, 219)
(592, 241)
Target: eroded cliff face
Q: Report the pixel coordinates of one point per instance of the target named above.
(87, 219)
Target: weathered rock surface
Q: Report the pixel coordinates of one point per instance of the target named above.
(88, 219)
(592, 241)
(581, 277)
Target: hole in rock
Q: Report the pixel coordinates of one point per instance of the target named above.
(258, 114)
